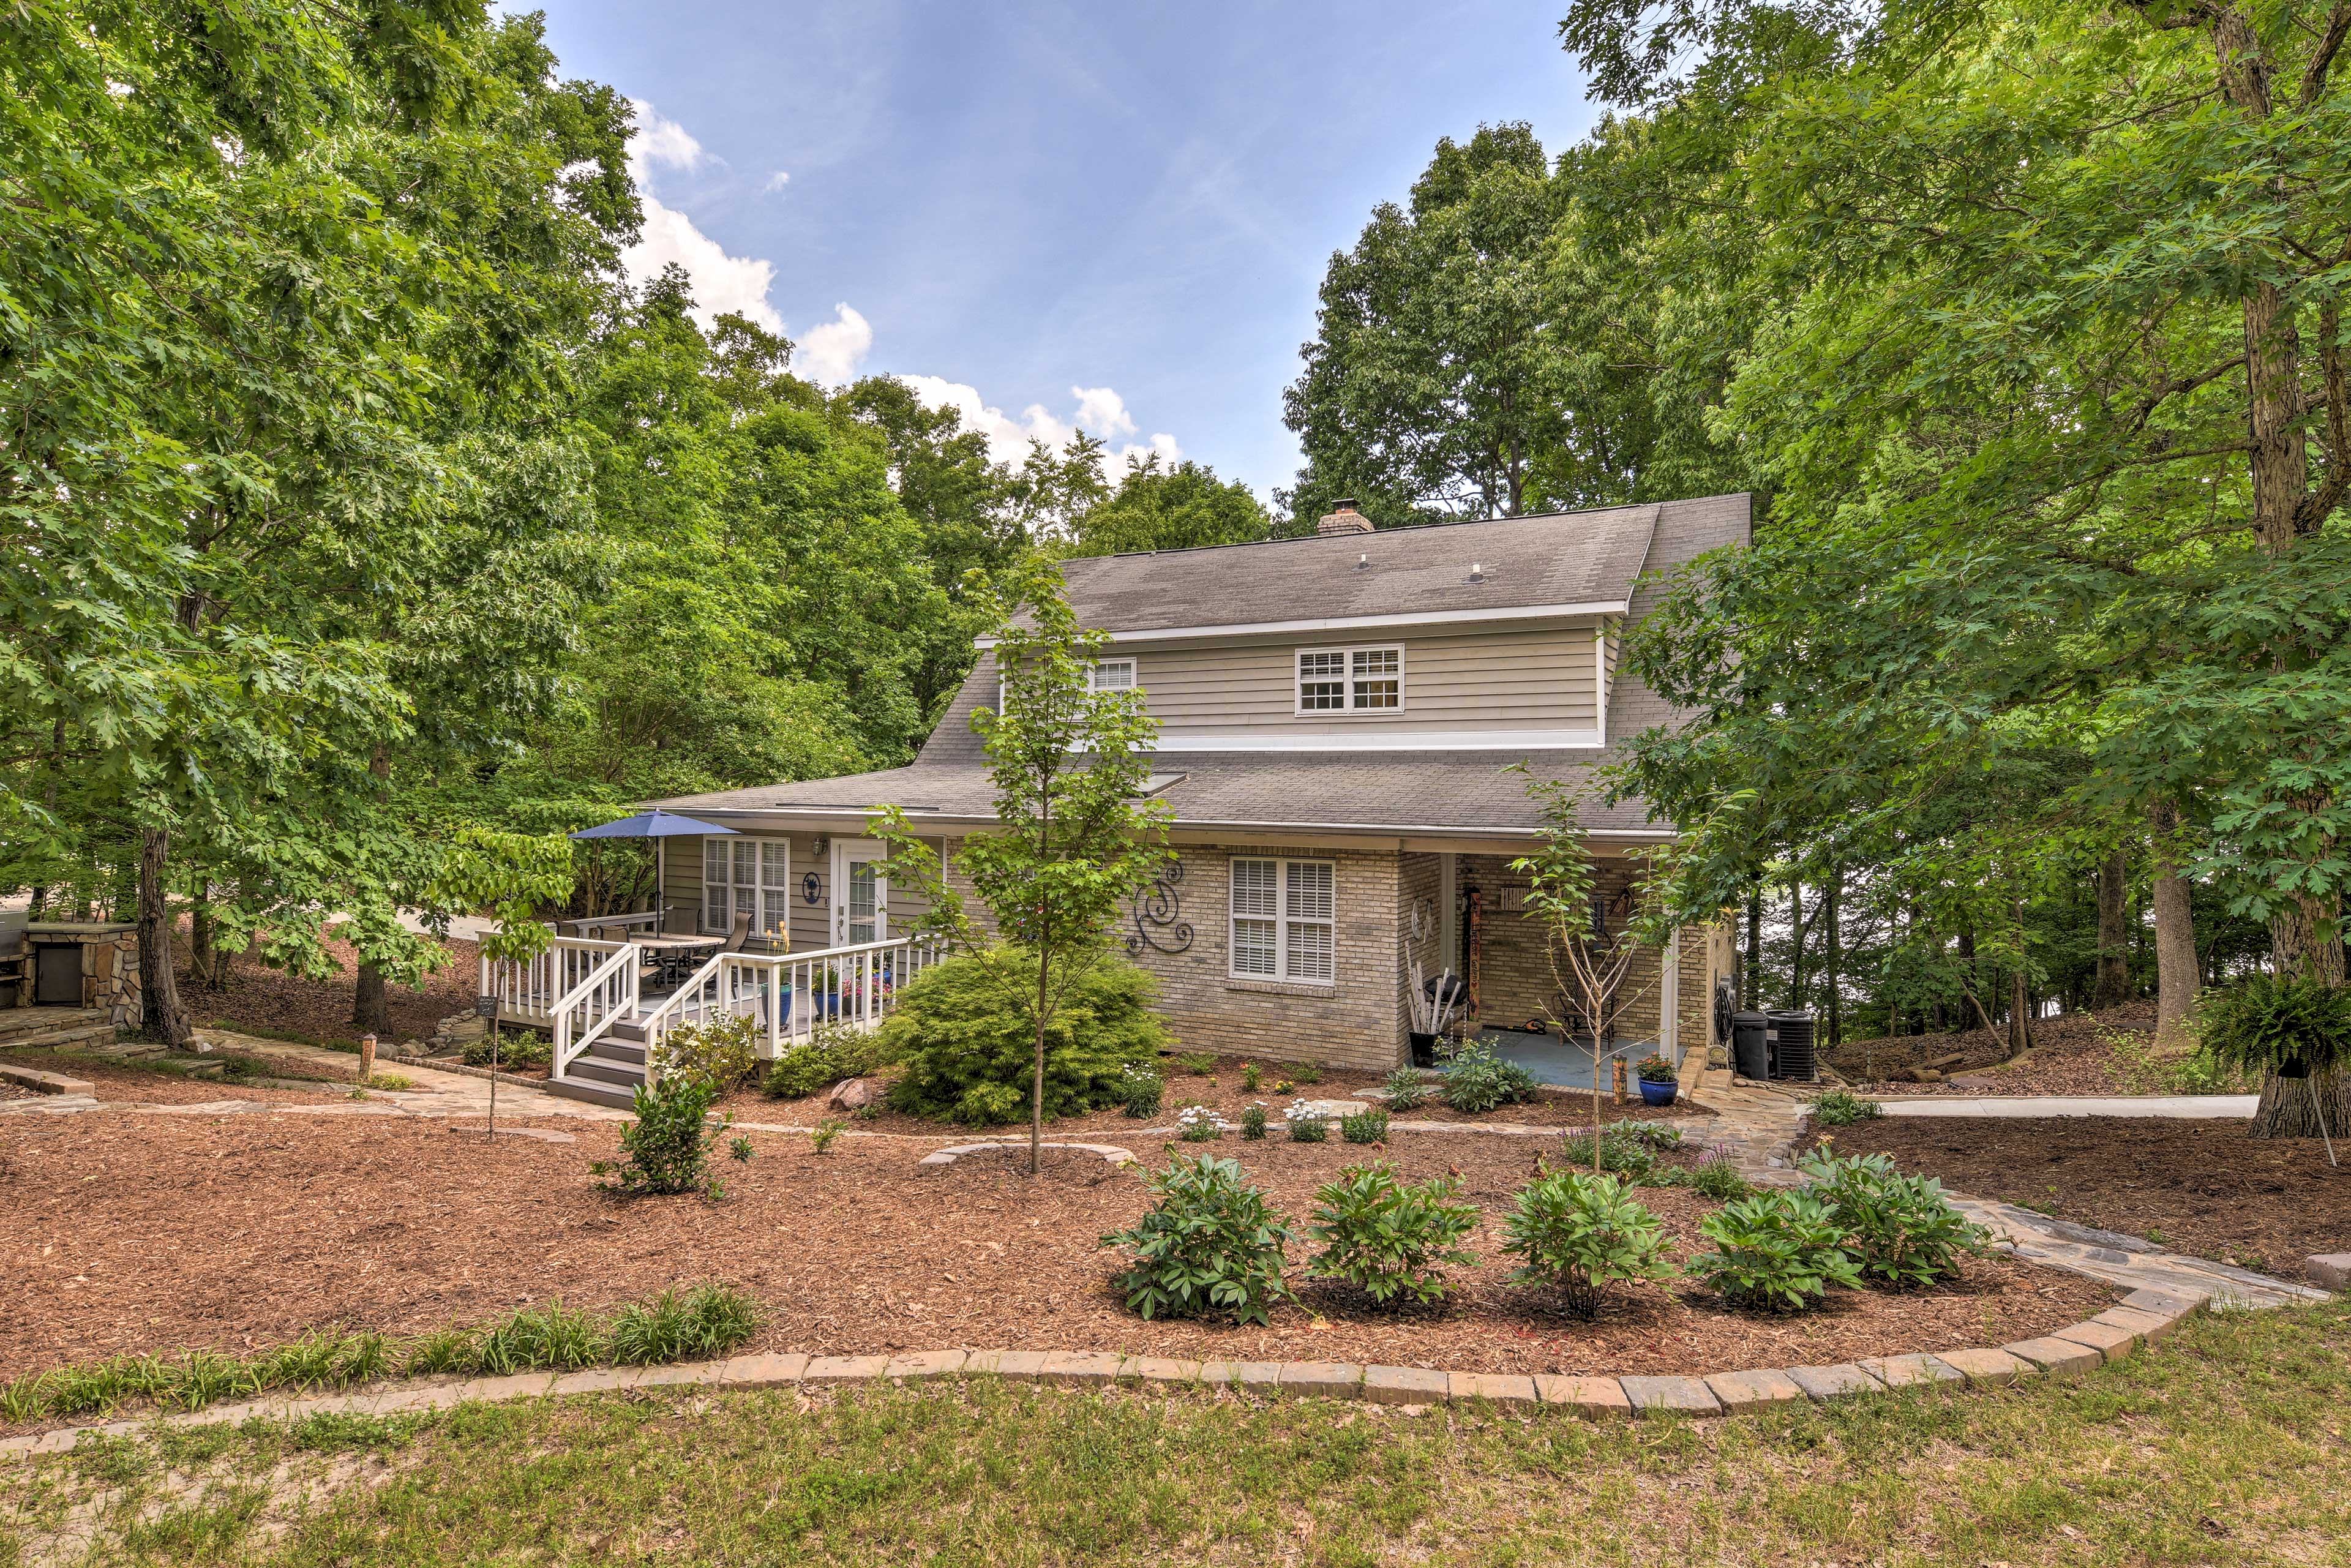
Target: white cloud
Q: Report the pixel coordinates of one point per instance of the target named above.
(721, 282)
(831, 350)
(777, 181)
(661, 141)
(1100, 413)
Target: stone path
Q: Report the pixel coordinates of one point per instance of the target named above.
(2190, 1107)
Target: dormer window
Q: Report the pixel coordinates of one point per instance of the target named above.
(1350, 680)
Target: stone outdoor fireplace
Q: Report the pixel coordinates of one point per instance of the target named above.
(82, 965)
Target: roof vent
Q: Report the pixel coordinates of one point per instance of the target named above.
(1344, 519)
(1363, 560)
(1477, 572)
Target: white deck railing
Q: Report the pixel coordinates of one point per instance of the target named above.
(643, 917)
(790, 995)
(529, 991)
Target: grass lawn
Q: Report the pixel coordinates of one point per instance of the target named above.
(2230, 1444)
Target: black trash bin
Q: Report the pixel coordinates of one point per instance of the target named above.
(1791, 1047)
(1751, 1051)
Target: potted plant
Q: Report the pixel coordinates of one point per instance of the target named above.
(1659, 1081)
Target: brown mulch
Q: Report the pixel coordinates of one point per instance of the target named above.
(122, 1232)
(114, 1078)
(258, 999)
(1221, 1091)
(2200, 1187)
(2068, 1057)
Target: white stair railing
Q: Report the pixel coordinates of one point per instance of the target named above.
(604, 996)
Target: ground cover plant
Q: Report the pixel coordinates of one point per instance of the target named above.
(1476, 1081)
(695, 1324)
(2218, 1449)
(1407, 1090)
(1211, 1246)
(1843, 1108)
(1390, 1240)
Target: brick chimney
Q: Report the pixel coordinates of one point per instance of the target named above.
(1345, 520)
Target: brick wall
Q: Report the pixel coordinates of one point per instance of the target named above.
(1356, 1023)
(1517, 982)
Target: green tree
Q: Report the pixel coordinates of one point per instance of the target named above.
(1182, 507)
(1077, 836)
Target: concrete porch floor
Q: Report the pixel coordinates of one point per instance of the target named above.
(1563, 1062)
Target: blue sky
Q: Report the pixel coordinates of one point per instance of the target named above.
(1111, 216)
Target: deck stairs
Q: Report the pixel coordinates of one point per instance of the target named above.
(610, 1071)
(55, 1029)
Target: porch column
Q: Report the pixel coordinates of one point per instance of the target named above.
(1669, 1001)
(1448, 932)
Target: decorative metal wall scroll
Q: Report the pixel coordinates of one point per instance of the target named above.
(1158, 910)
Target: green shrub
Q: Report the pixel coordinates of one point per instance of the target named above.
(1717, 1176)
(1390, 1239)
(826, 1135)
(1199, 1064)
(1364, 1127)
(1252, 1075)
(967, 1025)
(1901, 1230)
(516, 1047)
(1843, 1108)
(723, 1050)
(1578, 1234)
(798, 1073)
(699, 1324)
(1307, 1073)
(1651, 1135)
(1406, 1090)
(1140, 1089)
(1621, 1153)
(1778, 1249)
(1253, 1123)
(1654, 1068)
(2264, 1020)
(1210, 1245)
(1476, 1081)
(667, 1149)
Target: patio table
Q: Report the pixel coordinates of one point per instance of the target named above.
(674, 954)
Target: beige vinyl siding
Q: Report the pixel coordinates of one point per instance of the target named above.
(810, 924)
(1538, 679)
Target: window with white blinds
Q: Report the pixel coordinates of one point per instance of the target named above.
(1350, 680)
(748, 876)
(1284, 920)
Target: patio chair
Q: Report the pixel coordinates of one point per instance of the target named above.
(739, 935)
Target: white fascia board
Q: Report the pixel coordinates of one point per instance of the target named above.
(1380, 738)
(1346, 623)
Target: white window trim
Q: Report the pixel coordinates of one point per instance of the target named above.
(1282, 920)
(1094, 675)
(759, 888)
(1347, 659)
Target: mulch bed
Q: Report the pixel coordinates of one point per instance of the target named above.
(1221, 1091)
(258, 999)
(122, 1232)
(2068, 1057)
(2200, 1187)
(123, 1078)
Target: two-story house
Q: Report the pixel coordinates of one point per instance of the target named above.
(1335, 713)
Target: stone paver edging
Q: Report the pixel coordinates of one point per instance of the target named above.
(2140, 1318)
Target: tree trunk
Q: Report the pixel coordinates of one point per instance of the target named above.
(1037, 1086)
(2020, 1001)
(206, 968)
(370, 1013)
(1795, 943)
(162, 1017)
(2112, 988)
(2176, 967)
(2291, 1107)
(1831, 897)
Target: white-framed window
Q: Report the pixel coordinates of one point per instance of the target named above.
(749, 876)
(1107, 675)
(1284, 920)
(1350, 680)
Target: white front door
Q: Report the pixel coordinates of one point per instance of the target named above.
(861, 893)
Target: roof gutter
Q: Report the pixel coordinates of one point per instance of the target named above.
(1453, 830)
(1363, 622)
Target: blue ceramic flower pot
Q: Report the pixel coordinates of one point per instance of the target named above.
(1658, 1094)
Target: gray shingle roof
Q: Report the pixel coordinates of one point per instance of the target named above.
(1560, 557)
(1464, 793)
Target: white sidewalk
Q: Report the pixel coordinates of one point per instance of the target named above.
(2190, 1107)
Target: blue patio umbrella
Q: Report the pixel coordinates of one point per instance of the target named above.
(658, 826)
